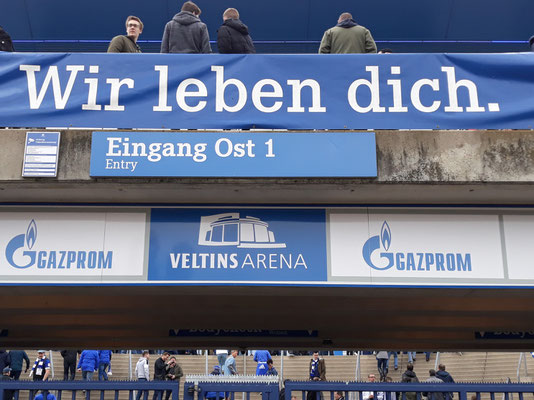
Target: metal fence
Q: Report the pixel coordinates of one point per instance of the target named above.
(91, 390)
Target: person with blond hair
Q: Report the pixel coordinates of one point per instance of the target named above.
(233, 36)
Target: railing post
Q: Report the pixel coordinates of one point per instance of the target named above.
(519, 367)
(130, 361)
(51, 363)
(207, 367)
(281, 365)
(358, 372)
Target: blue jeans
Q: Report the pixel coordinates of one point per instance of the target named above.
(382, 368)
(87, 375)
(395, 359)
(411, 356)
(102, 372)
(140, 392)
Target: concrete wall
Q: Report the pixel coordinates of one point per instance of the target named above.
(414, 167)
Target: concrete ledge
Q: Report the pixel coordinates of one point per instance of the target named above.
(414, 167)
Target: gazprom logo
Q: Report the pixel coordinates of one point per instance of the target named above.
(376, 254)
(20, 254)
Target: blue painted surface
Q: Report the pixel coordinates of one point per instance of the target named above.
(182, 250)
(252, 154)
(433, 91)
(277, 19)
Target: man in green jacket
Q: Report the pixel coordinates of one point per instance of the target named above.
(127, 43)
(347, 37)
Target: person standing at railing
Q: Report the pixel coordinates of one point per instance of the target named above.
(370, 395)
(69, 363)
(261, 357)
(230, 367)
(409, 376)
(434, 379)
(160, 373)
(142, 372)
(5, 377)
(104, 363)
(88, 364)
(174, 373)
(347, 37)
(317, 371)
(40, 370)
(233, 36)
(127, 43)
(18, 357)
(186, 33)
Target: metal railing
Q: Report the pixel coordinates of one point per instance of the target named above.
(223, 386)
(99, 388)
(386, 390)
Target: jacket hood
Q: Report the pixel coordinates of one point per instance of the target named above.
(237, 25)
(348, 23)
(410, 374)
(141, 358)
(186, 18)
(442, 374)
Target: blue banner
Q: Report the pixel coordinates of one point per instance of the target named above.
(252, 245)
(251, 154)
(395, 91)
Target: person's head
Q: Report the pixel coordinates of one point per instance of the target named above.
(134, 27)
(6, 371)
(432, 372)
(146, 354)
(389, 379)
(473, 397)
(344, 17)
(216, 370)
(269, 363)
(338, 395)
(371, 377)
(315, 355)
(172, 360)
(192, 8)
(41, 353)
(409, 367)
(234, 353)
(441, 367)
(531, 43)
(385, 51)
(230, 13)
(165, 356)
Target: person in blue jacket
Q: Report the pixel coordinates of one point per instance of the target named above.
(104, 362)
(261, 357)
(88, 364)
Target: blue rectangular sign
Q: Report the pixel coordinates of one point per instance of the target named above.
(237, 245)
(294, 333)
(252, 154)
(41, 154)
(504, 335)
(305, 91)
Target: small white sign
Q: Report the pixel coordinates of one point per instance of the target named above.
(41, 154)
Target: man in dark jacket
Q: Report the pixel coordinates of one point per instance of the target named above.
(445, 377)
(232, 36)
(160, 373)
(17, 359)
(5, 360)
(410, 377)
(185, 33)
(6, 44)
(69, 364)
(8, 393)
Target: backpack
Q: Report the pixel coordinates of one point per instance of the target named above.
(5, 41)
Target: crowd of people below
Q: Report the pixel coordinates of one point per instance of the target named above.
(185, 33)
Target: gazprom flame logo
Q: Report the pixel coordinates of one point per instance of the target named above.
(18, 242)
(374, 244)
(419, 260)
